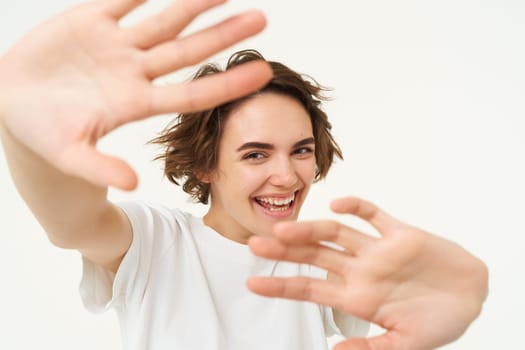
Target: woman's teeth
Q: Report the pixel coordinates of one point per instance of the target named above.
(276, 201)
(275, 204)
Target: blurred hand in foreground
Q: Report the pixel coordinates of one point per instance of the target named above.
(80, 75)
(422, 289)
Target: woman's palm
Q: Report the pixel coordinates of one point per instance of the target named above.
(80, 75)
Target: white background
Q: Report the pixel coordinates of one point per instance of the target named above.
(429, 110)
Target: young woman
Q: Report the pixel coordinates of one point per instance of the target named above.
(178, 281)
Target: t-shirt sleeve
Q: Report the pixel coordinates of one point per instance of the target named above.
(345, 325)
(153, 231)
(337, 323)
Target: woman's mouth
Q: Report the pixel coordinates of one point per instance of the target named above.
(277, 205)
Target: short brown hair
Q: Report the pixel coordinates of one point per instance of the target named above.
(192, 141)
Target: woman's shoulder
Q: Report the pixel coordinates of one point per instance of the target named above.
(151, 216)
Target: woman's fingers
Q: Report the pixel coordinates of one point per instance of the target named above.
(322, 231)
(191, 50)
(367, 211)
(297, 288)
(167, 24)
(313, 254)
(210, 91)
(119, 8)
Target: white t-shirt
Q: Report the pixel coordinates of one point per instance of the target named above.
(182, 286)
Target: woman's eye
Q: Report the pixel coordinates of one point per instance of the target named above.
(254, 155)
(303, 150)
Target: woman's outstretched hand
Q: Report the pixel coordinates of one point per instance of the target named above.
(80, 75)
(422, 289)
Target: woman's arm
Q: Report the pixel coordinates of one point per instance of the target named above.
(80, 75)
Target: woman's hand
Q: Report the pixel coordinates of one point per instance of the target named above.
(80, 75)
(422, 289)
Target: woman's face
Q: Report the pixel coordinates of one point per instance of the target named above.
(266, 164)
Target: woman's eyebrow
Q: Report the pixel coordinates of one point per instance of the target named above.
(269, 146)
(307, 141)
(250, 145)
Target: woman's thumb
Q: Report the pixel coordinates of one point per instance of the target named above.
(99, 169)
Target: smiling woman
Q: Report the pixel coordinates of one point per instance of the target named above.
(255, 158)
(251, 140)
(272, 163)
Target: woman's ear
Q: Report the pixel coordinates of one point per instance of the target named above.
(205, 177)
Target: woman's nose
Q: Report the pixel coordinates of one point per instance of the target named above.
(283, 173)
